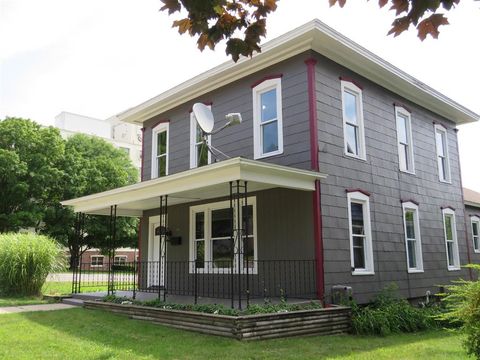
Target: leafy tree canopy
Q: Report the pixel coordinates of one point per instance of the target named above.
(243, 22)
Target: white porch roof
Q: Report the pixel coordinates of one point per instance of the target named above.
(202, 183)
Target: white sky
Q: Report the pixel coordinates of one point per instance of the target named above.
(98, 58)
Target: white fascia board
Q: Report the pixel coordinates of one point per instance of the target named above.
(319, 37)
(473, 204)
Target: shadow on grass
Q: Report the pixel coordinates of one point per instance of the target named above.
(120, 337)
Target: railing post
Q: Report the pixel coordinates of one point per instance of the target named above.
(109, 251)
(134, 276)
(79, 277)
(195, 283)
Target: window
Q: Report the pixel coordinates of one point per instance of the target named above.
(120, 260)
(451, 244)
(199, 153)
(267, 118)
(160, 150)
(211, 246)
(360, 234)
(404, 140)
(126, 150)
(475, 233)
(413, 242)
(97, 260)
(353, 131)
(442, 153)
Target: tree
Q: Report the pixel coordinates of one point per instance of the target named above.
(91, 165)
(215, 20)
(29, 171)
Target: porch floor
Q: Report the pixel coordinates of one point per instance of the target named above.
(182, 299)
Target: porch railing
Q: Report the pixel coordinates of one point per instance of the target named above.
(262, 279)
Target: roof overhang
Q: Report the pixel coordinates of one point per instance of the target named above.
(319, 37)
(207, 182)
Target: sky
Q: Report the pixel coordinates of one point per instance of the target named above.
(98, 58)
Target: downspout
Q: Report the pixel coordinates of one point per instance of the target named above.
(316, 196)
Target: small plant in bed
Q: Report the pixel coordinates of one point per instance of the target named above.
(217, 309)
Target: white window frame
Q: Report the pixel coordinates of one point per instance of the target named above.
(155, 131)
(401, 111)
(119, 257)
(96, 256)
(410, 206)
(194, 143)
(475, 219)
(441, 129)
(360, 198)
(207, 210)
(456, 255)
(348, 86)
(257, 91)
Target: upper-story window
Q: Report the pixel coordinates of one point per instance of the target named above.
(404, 139)
(199, 153)
(361, 250)
(353, 129)
(267, 118)
(413, 242)
(451, 243)
(442, 153)
(160, 150)
(476, 233)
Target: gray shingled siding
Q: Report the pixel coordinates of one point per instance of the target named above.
(380, 176)
(472, 211)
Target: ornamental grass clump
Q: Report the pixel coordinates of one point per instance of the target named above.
(25, 262)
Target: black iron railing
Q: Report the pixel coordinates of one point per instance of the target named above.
(263, 279)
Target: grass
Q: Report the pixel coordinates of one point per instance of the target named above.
(49, 288)
(90, 334)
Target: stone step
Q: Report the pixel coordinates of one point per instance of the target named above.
(72, 301)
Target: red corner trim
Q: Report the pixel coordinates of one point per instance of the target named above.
(143, 154)
(355, 82)
(208, 103)
(159, 122)
(364, 192)
(447, 207)
(409, 200)
(316, 196)
(399, 104)
(268, 77)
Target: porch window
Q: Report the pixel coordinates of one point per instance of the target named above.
(96, 260)
(160, 150)
(353, 129)
(360, 234)
(413, 245)
(451, 244)
(199, 153)
(267, 118)
(211, 246)
(120, 260)
(404, 140)
(476, 233)
(442, 153)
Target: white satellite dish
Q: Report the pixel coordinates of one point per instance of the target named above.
(204, 117)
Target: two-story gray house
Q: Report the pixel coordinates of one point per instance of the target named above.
(344, 171)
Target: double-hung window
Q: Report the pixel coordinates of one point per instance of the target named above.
(442, 153)
(451, 243)
(120, 260)
(476, 233)
(361, 250)
(413, 242)
(404, 140)
(97, 260)
(160, 150)
(267, 118)
(353, 129)
(213, 248)
(199, 153)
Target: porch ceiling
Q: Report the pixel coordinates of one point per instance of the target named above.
(202, 183)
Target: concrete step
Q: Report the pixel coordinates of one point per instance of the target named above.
(72, 301)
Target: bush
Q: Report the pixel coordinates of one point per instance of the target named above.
(389, 314)
(25, 262)
(462, 302)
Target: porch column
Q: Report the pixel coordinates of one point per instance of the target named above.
(111, 249)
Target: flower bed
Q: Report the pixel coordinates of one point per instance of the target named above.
(324, 321)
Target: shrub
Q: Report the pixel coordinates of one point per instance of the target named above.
(388, 314)
(462, 302)
(25, 262)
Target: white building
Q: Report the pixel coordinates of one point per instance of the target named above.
(127, 137)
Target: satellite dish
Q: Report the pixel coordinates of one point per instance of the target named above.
(204, 117)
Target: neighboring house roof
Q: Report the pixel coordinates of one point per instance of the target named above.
(471, 198)
(317, 36)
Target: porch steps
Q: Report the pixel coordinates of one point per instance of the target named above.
(72, 301)
(88, 296)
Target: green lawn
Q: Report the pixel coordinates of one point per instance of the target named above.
(89, 334)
